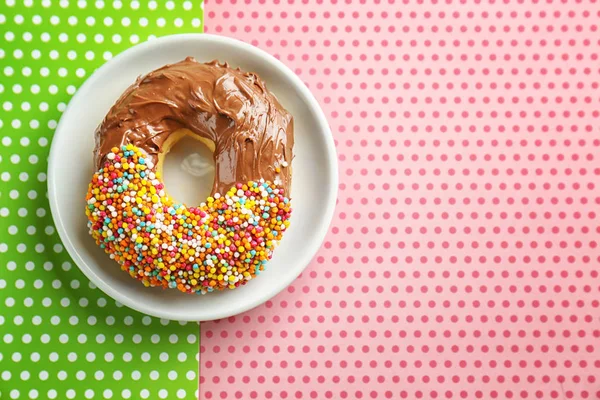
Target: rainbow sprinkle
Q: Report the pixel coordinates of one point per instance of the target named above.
(222, 244)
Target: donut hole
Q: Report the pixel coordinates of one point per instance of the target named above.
(188, 170)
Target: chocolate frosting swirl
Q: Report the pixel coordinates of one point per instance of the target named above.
(252, 133)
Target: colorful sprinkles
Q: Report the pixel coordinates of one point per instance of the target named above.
(222, 244)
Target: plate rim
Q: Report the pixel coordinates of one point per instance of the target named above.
(307, 255)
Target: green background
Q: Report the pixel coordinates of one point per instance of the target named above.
(60, 337)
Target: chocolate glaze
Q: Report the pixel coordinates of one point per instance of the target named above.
(253, 134)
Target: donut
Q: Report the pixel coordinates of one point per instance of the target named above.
(227, 240)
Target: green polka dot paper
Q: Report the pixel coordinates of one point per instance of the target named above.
(60, 336)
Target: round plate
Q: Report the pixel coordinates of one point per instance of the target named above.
(314, 183)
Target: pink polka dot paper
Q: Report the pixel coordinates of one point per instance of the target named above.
(462, 261)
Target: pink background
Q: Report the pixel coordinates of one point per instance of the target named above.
(462, 261)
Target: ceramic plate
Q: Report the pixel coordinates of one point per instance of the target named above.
(70, 169)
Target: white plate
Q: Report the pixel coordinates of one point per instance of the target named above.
(314, 186)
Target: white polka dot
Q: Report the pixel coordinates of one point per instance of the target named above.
(54, 358)
(45, 338)
(164, 357)
(70, 394)
(21, 248)
(46, 301)
(146, 320)
(172, 375)
(35, 356)
(42, 178)
(178, 22)
(39, 248)
(137, 338)
(126, 393)
(90, 21)
(13, 230)
(25, 375)
(107, 393)
(98, 38)
(48, 266)
(116, 39)
(9, 36)
(55, 320)
(127, 357)
(107, 55)
(152, 5)
(13, 194)
(134, 4)
(154, 375)
(196, 22)
(6, 375)
(9, 302)
(90, 357)
(161, 22)
(187, 5)
(81, 338)
(80, 375)
(145, 356)
(43, 375)
(89, 394)
(92, 320)
(108, 21)
(34, 124)
(191, 338)
(28, 302)
(32, 194)
(73, 320)
(81, 38)
(45, 37)
(65, 302)
(25, 106)
(29, 266)
(181, 394)
(117, 375)
(170, 5)
(99, 4)
(81, 3)
(27, 36)
(19, 283)
(52, 393)
(109, 357)
(36, 320)
(43, 142)
(23, 176)
(54, 20)
(143, 21)
(18, 320)
(162, 393)
(4, 212)
(3, 247)
(134, 39)
(144, 393)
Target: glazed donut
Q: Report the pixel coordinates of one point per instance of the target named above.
(224, 242)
